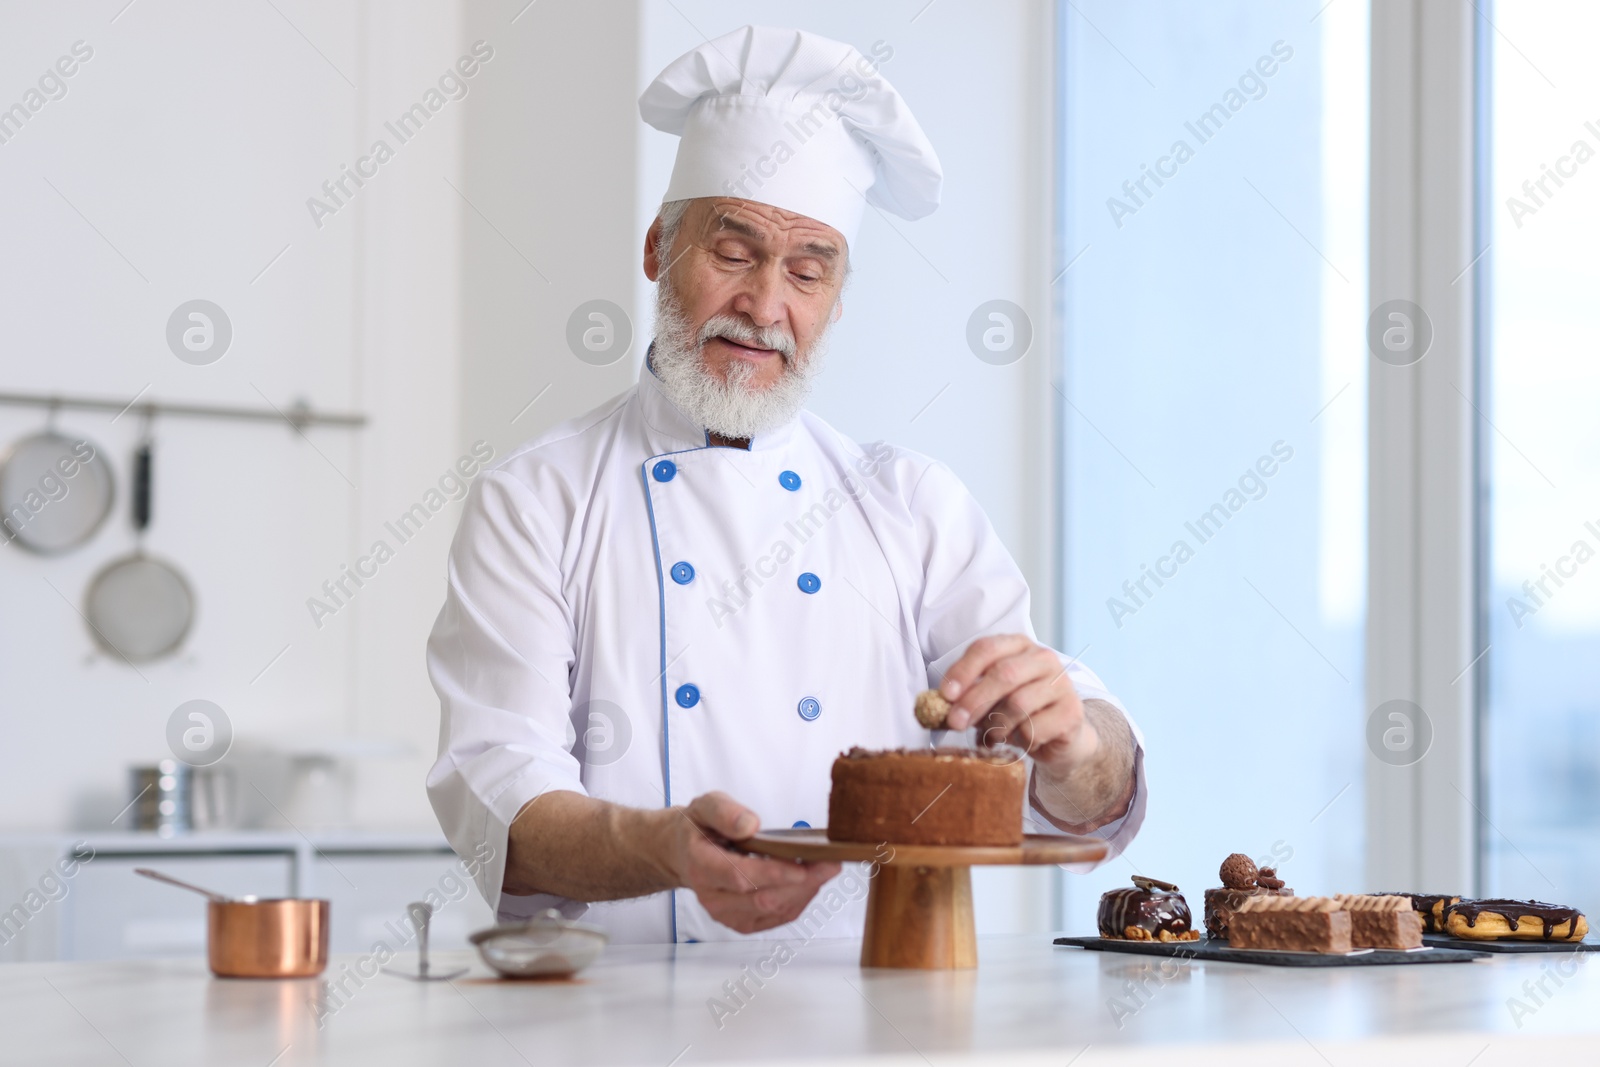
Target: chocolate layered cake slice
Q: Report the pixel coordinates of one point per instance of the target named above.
(1431, 906)
(1382, 921)
(1290, 924)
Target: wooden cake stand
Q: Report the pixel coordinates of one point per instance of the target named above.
(919, 906)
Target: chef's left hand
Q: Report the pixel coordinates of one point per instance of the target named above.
(1016, 690)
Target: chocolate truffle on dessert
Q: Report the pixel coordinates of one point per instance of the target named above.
(1240, 882)
(1151, 911)
(1290, 924)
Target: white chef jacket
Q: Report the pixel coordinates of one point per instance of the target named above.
(636, 616)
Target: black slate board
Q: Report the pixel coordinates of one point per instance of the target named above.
(1446, 941)
(1207, 950)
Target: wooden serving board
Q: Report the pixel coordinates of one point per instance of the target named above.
(813, 844)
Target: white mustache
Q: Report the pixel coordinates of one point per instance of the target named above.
(773, 338)
(727, 403)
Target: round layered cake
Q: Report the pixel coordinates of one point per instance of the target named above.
(928, 796)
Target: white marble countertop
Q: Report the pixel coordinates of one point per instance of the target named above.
(1029, 1002)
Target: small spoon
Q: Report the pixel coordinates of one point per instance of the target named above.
(214, 897)
(421, 915)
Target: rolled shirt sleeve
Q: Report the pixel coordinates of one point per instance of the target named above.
(1119, 832)
(499, 657)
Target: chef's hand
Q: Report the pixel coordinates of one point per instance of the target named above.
(1017, 691)
(745, 893)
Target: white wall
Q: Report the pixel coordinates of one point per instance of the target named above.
(190, 142)
(549, 160)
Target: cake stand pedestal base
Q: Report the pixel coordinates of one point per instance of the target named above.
(919, 906)
(920, 917)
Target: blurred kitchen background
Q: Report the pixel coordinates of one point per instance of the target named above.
(1174, 335)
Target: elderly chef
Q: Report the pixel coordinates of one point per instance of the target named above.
(665, 618)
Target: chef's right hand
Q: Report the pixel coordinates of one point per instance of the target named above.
(745, 893)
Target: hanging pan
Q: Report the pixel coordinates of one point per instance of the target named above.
(55, 491)
(140, 607)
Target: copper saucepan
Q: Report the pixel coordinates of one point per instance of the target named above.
(251, 938)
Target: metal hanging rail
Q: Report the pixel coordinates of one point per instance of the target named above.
(298, 415)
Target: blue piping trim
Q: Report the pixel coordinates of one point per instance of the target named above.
(666, 738)
(661, 596)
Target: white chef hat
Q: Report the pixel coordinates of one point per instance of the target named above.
(798, 121)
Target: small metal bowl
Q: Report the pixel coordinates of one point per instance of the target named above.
(546, 946)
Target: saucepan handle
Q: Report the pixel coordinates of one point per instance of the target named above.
(141, 487)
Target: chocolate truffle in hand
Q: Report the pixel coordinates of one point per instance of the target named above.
(1239, 872)
(932, 709)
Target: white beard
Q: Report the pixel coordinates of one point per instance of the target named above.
(732, 407)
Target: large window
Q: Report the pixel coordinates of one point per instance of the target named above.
(1541, 732)
(1213, 415)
